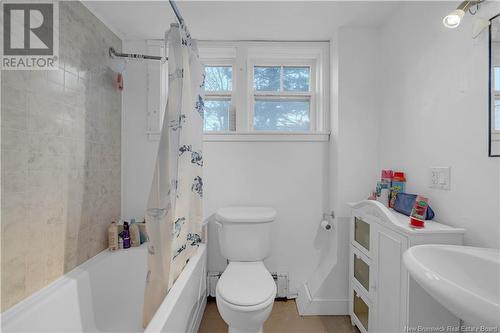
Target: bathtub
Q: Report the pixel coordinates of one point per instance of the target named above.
(105, 294)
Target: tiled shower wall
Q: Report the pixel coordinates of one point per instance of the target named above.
(60, 166)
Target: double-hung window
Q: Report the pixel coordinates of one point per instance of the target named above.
(218, 94)
(267, 88)
(282, 96)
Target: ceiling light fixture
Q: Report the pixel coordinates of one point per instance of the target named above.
(453, 19)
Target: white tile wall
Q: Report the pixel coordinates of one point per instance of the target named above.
(61, 133)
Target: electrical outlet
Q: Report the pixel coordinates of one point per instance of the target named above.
(439, 178)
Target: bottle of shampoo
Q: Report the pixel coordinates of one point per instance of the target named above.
(142, 231)
(126, 235)
(113, 236)
(135, 235)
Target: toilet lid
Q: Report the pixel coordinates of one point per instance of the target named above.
(246, 284)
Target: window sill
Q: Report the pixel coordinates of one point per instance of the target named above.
(266, 137)
(257, 136)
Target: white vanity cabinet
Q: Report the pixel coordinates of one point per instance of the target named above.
(383, 297)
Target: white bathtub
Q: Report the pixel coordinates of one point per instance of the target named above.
(105, 294)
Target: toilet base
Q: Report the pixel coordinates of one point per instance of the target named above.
(239, 330)
(240, 321)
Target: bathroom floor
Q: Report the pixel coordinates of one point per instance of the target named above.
(284, 318)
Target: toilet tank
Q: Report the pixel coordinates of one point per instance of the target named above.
(245, 232)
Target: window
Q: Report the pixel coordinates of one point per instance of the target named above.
(157, 87)
(282, 98)
(218, 90)
(255, 91)
(266, 87)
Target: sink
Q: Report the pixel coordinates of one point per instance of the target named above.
(464, 279)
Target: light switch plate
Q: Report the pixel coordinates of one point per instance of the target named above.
(439, 178)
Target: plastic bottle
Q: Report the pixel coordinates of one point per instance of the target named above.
(143, 232)
(419, 212)
(399, 180)
(113, 236)
(386, 176)
(135, 235)
(398, 186)
(126, 235)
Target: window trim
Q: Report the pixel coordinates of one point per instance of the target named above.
(238, 53)
(155, 105)
(283, 95)
(244, 54)
(221, 95)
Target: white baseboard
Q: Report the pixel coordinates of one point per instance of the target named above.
(307, 306)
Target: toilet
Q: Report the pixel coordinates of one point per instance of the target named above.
(246, 290)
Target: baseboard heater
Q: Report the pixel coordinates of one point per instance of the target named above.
(281, 280)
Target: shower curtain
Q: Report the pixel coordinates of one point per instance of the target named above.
(174, 210)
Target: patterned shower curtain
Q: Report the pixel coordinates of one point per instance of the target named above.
(174, 211)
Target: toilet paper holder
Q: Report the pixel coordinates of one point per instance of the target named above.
(325, 222)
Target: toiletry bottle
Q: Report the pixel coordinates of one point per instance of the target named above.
(113, 236)
(399, 181)
(142, 230)
(120, 241)
(398, 186)
(386, 176)
(135, 236)
(383, 192)
(419, 212)
(126, 235)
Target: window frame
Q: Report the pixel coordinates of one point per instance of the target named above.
(237, 54)
(221, 95)
(282, 94)
(245, 54)
(156, 89)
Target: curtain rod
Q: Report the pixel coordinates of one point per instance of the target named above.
(112, 52)
(176, 12)
(135, 56)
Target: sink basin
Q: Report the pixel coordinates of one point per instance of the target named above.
(465, 280)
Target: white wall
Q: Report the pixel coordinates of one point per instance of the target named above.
(288, 176)
(435, 113)
(354, 147)
(357, 118)
(138, 153)
(407, 96)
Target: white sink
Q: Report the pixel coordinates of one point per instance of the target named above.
(465, 280)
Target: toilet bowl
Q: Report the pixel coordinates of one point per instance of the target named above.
(245, 294)
(246, 290)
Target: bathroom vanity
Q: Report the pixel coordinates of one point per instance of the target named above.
(383, 297)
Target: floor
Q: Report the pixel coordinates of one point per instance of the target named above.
(284, 318)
